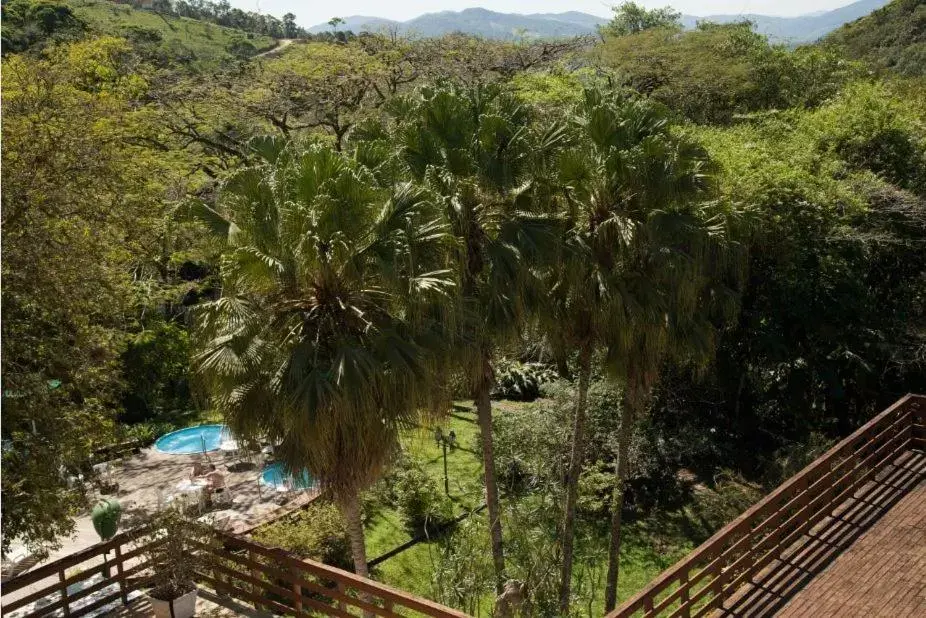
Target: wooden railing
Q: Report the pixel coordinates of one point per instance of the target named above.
(700, 582)
(266, 578)
(273, 579)
(63, 583)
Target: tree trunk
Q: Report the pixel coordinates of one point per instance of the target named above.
(484, 412)
(572, 479)
(632, 400)
(350, 504)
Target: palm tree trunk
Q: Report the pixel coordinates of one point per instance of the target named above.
(572, 479)
(484, 413)
(632, 400)
(351, 507)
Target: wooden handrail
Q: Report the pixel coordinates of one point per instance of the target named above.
(305, 581)
(886, 435)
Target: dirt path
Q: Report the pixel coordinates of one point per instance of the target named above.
(284, 43)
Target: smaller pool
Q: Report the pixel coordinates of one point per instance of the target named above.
(191, 440)
(274, 476)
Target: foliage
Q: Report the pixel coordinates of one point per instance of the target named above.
(729, 496)
(156, 366)
(318, 532)
(424, 507)
(892, 38)
(715, 72)
(520, 381)
(832, 316)
(29, 24)
(77, 206)
(631, 18)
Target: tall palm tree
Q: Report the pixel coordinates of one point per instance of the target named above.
(474, 149)
(326, 338)
(636, 272)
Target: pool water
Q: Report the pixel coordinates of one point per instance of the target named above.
(274, 476)
(192, 440)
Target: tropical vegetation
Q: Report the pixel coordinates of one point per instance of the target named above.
(641, 278)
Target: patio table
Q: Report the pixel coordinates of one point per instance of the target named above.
(188, 489)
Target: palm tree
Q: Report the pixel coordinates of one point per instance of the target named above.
(325, 339)
(473, 148)
(633, 277)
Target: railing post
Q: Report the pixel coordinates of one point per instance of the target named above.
(64, 592)
(340, 586)
(119, 574)
(256, 574)
(297, 591)
(683, 599)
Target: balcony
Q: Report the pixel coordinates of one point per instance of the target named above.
(844, 537)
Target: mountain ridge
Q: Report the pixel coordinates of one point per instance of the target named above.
(492, 24)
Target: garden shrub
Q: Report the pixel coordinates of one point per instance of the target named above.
(520, 381)
(423, 506)
(726, 500)
(319, 533)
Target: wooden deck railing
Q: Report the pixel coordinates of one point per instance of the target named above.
(59, 582)
(700, 582)
(266, 578)
(273, 579)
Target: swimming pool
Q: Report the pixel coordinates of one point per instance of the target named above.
(191, 440)
(274, 476)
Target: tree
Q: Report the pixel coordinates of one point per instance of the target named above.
(633, 281)
(77, 200)
(290, 29)
(316, 86)
(631, 18)
(323, 340)
(473, 148)
(334, 22)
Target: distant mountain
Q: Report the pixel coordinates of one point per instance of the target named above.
(796, 30)
(892, 38)
(482, 22)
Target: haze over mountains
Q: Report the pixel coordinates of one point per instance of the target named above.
(486, 23)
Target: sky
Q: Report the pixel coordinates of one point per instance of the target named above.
(311, 12)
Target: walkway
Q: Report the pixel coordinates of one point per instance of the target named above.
(868, 560)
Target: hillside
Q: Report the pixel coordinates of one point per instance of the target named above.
(490, 24)
(892, 38)
(166, 39)
(179, 38)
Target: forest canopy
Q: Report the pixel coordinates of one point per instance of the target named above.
(701, 251)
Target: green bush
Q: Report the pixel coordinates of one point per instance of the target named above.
(423, 506)
(520, 381)
(730, 495)
(318, 533)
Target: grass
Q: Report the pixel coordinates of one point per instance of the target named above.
(202, 44)
(650, 545)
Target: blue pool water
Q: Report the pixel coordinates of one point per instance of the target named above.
(191, 440)
(276, 477)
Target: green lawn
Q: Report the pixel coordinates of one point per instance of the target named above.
(204, 44)
(649, 546)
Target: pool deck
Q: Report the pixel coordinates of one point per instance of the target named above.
(146, 479)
